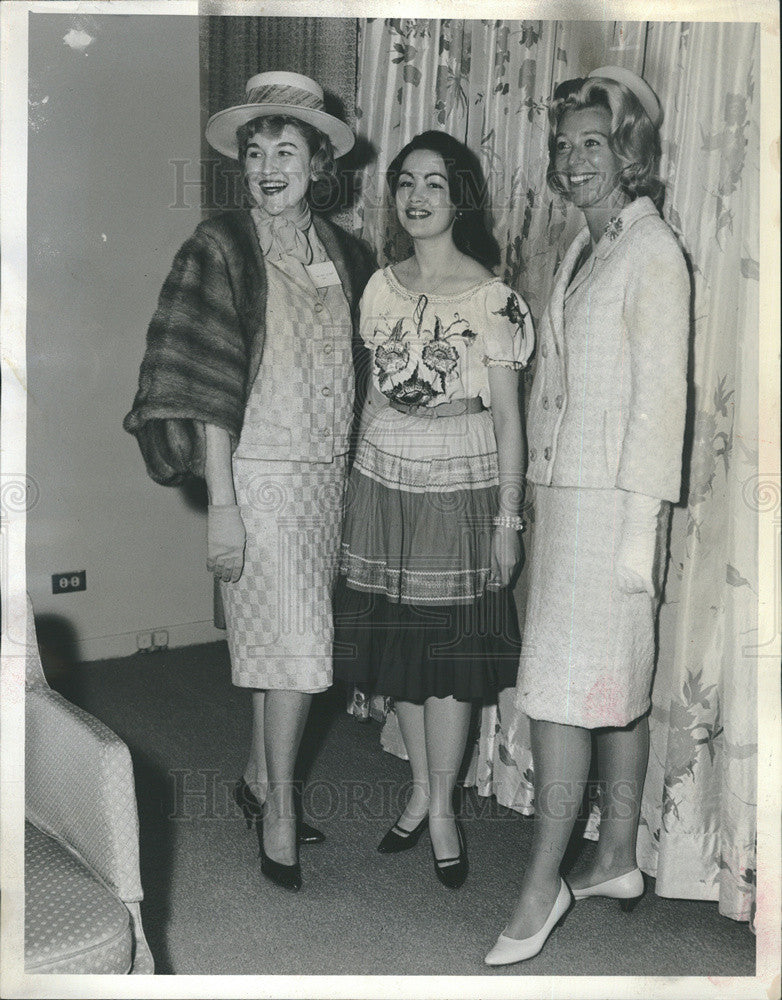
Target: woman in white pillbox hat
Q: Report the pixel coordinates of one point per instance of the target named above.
(605, 435)
(248, 382)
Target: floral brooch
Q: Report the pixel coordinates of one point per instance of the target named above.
(614, 228)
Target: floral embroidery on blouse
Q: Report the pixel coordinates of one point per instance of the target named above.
(512, 311)
(439, 358)
(431, 349)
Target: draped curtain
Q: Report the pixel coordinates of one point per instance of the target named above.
(698, 821)
(488, 83)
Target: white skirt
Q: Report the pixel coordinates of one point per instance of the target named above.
(587, 653)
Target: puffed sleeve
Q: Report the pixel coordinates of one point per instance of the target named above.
(656, 316)
(508, 335)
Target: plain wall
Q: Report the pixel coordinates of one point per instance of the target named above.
(105, 122)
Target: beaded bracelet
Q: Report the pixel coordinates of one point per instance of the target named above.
(508, 521)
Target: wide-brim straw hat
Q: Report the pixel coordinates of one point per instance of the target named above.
(636, 84)
(277, 93)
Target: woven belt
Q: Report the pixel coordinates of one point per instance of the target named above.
(456, 408)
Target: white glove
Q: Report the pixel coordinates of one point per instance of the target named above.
(635, 555)
(225, 540)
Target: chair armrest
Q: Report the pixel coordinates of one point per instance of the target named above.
(34, 675)
(80, 789)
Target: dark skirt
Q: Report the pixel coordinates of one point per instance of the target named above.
(412, 652)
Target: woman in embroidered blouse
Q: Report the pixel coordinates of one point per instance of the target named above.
(606, 426)
(248, 381)
(426, 613)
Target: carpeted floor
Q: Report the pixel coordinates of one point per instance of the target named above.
(208, 910)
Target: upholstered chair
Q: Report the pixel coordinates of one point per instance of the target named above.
(82, 879)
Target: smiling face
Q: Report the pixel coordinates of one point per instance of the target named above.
(423, 200)
(278, 170)
(586, 165)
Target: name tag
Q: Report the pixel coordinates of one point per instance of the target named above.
(324, 274)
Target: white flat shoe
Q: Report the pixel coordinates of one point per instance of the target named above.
(628, 888)
(508, 950)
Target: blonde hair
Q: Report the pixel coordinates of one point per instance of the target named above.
(634, 140)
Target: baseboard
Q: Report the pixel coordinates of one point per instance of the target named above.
(108, 647)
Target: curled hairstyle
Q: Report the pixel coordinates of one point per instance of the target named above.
(634, 140)
(467, 190)
(322, 165)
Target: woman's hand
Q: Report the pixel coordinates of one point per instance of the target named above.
(225, 534)
(225, 540)
(506, 551)
(506, 556)
(635, 556)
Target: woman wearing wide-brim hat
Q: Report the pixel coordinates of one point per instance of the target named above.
(605, 434)
(248, 381)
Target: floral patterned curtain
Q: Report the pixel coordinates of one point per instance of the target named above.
(488, 83)
(698, 822)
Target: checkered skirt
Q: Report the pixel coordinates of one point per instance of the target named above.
(278, 615)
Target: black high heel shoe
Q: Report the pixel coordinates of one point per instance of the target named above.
(452, 872)
(248, 803)
(286, 876)
(397, 839)
(252, 809)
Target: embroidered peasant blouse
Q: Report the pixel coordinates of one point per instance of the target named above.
(431, 349)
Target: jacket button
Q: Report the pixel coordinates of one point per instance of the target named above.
(325, 391)
(327, 348)
(532, 454)
(545, 402)
(318, 307)
(544, 350)
(559, 401)
(326, 432)
(547, 454)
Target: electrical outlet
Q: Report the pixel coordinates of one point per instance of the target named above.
(67, 583)
(143, 641)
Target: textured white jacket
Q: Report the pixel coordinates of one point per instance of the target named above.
(615, 416)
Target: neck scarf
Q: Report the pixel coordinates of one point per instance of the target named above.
(284, 235)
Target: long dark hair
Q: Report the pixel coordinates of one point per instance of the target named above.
(467, 189)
